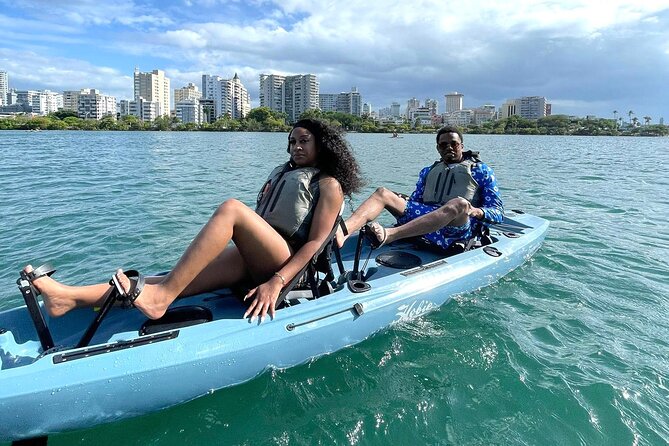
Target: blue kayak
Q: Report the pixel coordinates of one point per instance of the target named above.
(133, 367)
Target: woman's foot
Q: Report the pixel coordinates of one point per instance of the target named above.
(340, 238)
(56, 296)
(152, 301)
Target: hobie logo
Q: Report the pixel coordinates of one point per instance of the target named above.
(415, 309)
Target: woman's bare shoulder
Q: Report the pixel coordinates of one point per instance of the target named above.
(330, 184)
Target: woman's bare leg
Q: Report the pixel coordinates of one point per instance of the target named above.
(226, 269)
(371, 208)
(262, 248)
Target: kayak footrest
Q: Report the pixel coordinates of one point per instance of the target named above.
(116, 346)
(177, 317)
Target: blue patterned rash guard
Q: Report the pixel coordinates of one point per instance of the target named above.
(490, 203)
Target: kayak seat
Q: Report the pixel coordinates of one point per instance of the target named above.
(308, 283)
(177, 317)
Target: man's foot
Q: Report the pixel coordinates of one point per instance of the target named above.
(56, 296)
(377, 234)
(150, 301)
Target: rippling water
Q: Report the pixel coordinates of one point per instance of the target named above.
(571, 348)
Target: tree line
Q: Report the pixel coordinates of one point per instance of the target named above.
(262, 119)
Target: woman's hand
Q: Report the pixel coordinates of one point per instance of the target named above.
(266, 295)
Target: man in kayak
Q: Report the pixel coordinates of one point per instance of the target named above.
(296, 210)
(452, 197)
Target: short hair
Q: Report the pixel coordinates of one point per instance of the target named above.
(450, 129)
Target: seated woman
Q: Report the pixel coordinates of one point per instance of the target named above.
(296, 210)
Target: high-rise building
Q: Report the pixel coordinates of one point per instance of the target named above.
(395, 109)
(92, 104)
(271, 93)
(4, 87)
(153, 87)
(71, 100)
(366, 108)
(37, 102)
(412, 105)
(433, 106)
(454, 102)
(292, 95)
(229, 95)
(532, 107)
(186, 93)
(350, 102)
(189, 111)
(527, 107)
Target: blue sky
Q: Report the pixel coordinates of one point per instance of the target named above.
(586, 57)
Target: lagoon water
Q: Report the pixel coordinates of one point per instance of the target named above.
(571, 348)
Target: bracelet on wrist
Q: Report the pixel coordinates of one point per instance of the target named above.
(283, 279)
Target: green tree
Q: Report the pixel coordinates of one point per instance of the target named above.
(62, 114)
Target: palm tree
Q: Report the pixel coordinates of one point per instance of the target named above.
(647, 119)
(635, 121)
(620, 120)
(615, 115)
(630, 113)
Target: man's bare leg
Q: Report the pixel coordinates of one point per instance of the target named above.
(454, 213)
(371, 208)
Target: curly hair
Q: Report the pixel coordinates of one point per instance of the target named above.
(335, 157)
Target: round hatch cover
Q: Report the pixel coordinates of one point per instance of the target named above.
(399, 259)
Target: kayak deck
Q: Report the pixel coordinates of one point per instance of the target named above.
(227, 350)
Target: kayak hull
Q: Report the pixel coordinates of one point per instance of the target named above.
(123, 375)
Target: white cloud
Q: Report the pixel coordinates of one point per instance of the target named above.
(389, 49)
(28, 70)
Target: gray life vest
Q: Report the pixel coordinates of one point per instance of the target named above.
(447, 181)
(287, 201)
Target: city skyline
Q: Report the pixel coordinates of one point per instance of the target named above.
(586, 58)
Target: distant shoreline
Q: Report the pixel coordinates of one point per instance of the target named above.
(552, 125)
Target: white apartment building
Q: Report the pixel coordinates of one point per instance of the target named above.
(483, 114)
(292, 95)
(71, 100)
(433, 106)
(454, 101)
(187, 93)
(528, 107)
(420, 116)
(91, 104)
(37, 102)
(459, 118)
(146, 111)
(327, 101)
(4, 87)
(189, 111)
(350, 102)
(271, 94)
(153, 86)
(412, 105)
(229, 95)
